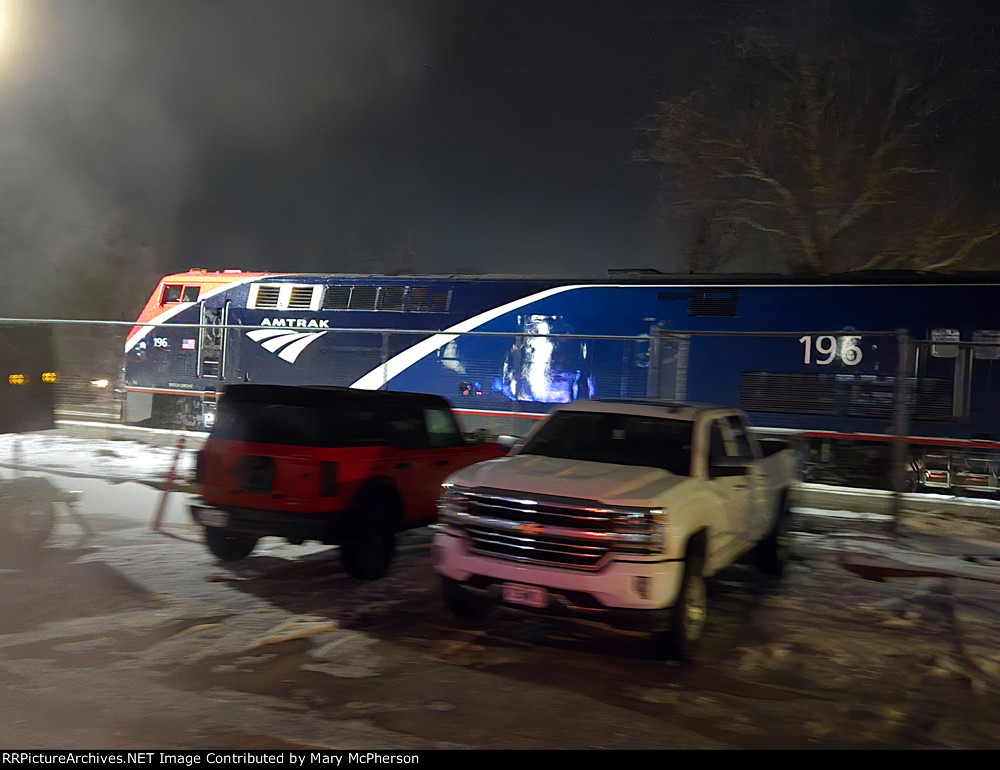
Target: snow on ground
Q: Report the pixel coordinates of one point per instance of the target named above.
(110, 459)
(113, 476)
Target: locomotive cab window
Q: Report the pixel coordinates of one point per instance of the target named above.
(173, 292)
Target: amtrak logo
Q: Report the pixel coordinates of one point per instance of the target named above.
(288, 341)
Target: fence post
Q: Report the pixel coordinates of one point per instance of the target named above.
(384, 356)
(900, 425)
(168, 485)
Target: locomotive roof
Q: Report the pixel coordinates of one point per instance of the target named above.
(644, 276)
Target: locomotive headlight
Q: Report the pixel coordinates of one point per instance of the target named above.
(17, 379)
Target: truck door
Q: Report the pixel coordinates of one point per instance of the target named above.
(212, 340)
(760, 491)
(730, 480)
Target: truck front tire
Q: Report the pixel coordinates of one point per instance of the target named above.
(687, 616)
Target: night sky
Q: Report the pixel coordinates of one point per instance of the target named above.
(141, 137)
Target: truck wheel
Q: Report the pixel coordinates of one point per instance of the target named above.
(228, 545)
(368, 554)
(461, 603)
(687, 616)
(772, 552)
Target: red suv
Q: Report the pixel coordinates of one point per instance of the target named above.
(341, 466)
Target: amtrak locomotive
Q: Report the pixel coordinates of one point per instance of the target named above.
(847, 363)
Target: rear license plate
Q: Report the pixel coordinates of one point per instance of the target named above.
(210, 517)
(530, 596)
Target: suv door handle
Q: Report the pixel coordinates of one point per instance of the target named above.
(443, 462)
(402, 466)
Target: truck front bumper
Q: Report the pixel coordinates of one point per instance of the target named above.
(627, 592)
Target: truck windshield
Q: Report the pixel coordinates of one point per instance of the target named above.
(622, 439)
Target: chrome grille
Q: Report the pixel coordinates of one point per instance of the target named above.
(576, 534)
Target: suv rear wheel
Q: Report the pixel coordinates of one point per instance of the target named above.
(228, 545)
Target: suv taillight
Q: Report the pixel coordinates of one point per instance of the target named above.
(199, 466)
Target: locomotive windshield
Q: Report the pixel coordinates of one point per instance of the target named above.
(622, 439)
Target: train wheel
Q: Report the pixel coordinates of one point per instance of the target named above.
(228, 545)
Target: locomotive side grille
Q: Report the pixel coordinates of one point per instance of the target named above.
(846, 394)
(336, 297)
(267, 297)
(788, 393)
(714, 303)
(363, 298)
(391, 297)
(300, 298)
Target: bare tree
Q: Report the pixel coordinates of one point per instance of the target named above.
(847, 152)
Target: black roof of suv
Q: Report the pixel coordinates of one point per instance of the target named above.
(320, 415)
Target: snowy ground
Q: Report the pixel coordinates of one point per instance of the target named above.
(871, 640)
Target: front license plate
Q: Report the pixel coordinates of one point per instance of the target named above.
(210, 517)
(530, 596)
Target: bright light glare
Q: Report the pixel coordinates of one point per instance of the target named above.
(17, 28)
(101, 383)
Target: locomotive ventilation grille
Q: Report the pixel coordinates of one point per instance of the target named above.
(575, 534)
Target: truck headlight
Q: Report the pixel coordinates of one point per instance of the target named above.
(452, 505)
(642, 528)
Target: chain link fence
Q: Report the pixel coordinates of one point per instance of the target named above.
(873, 409)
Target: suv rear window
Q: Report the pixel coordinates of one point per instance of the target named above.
(296, 425)
(333, 418)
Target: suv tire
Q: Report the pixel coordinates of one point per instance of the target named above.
(228, 545)
(368, 554)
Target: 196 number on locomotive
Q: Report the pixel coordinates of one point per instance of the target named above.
(824, 349)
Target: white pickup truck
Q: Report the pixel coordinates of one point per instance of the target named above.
(615, 512)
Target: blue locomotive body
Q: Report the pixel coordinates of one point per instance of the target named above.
(819, 357)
